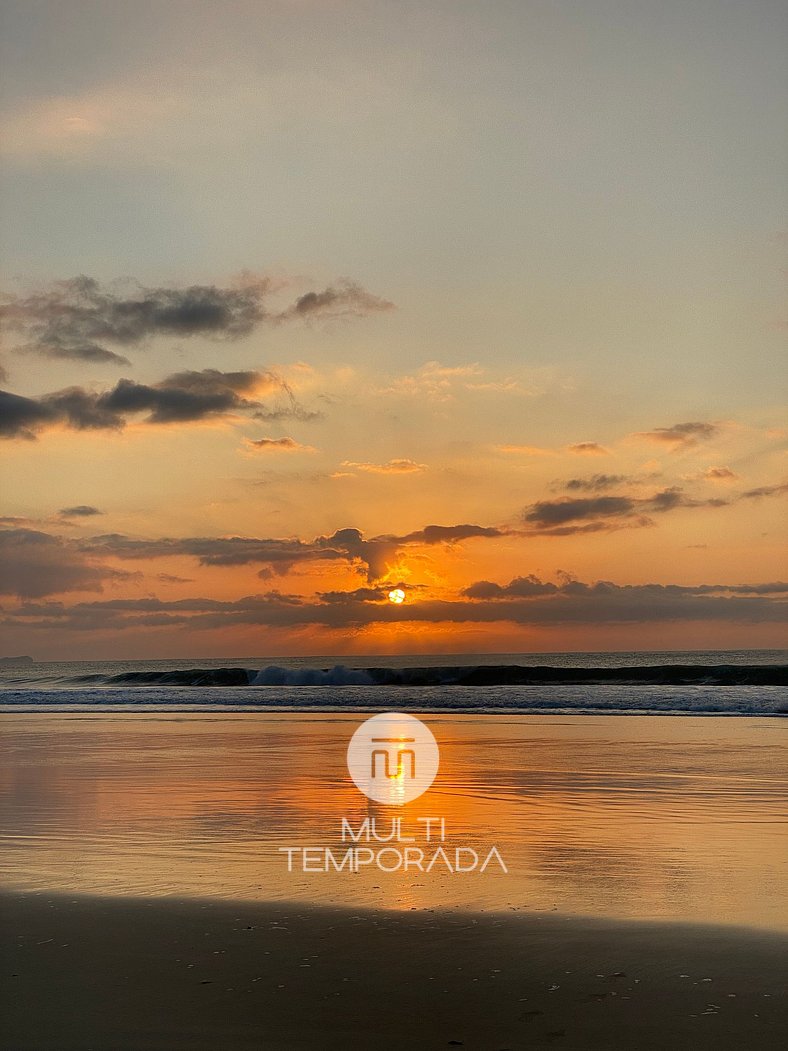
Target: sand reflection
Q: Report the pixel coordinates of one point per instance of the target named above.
(652, 817)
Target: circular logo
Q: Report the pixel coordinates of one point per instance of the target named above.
(393, 758)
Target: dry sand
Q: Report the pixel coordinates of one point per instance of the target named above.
(121, 974)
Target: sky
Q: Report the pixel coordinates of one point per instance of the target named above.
(306, 300)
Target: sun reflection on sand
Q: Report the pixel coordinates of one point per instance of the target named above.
(624, 816)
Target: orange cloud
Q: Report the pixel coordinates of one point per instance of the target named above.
(392, 467)
(282, 445)
(719, 474)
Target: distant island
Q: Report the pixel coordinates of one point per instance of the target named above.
(16, 660)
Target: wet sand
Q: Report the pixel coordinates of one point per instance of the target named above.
(641, 818)
(137, 974)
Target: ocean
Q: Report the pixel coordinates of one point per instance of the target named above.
(697, 682)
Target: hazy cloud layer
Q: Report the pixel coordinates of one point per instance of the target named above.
(39, 564)
(523, 450)
(34, 564)
(446, 383)
(82, 319)
(765, 490)
(587, 449)
(375, 556)
(184, 397)
(596, 482)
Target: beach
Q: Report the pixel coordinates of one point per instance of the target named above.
(167, 884)
(153, 975)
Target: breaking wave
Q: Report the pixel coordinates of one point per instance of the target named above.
(475, 676)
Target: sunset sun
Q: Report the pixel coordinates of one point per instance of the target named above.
(397, 596)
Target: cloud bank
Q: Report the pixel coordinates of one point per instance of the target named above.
(183, 397)
(82, 320)
(30, 576)
(34, 564)
(526, 601)
(588, 514)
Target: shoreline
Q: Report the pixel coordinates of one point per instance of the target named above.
(234, 702)
(163, 974)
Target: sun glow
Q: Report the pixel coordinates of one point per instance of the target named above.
(397, 596)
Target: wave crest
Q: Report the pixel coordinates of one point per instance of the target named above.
(339, 675)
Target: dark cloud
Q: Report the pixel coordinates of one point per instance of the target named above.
(670, 499)
(358, 595)
(33, 564)
(680, 435)
(547, 513)
(184, 397)
(80, 511)
(565, 517)
(372, 594)
(596, 482)
(531, 586)
(765, 490)
(520, 587)
(346, 299)
(78, 318)
(435, 534)
(377, 554)
(22, 417)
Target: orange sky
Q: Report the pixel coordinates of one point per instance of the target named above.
(350, 281)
